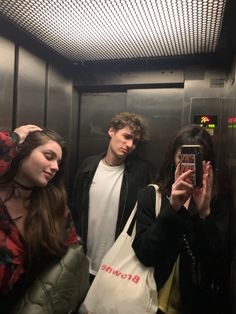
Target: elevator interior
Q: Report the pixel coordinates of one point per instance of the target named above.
(50, 81)
(74, 83)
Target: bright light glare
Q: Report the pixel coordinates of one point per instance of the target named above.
(120, 29)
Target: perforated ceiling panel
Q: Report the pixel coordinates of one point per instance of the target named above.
(86, 30)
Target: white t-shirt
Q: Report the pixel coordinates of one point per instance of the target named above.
(104, 198)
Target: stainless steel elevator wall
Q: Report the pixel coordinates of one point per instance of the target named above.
(34, 91)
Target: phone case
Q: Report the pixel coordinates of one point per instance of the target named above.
(192, 158)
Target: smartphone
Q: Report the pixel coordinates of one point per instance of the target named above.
(191, 158)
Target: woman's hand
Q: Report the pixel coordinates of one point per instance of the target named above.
(24, 130)
(202, 196)
(181, 188)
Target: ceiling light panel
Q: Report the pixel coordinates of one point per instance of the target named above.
(88, 30)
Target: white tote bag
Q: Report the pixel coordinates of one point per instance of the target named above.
(123, 285)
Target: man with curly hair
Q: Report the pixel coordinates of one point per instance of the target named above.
(106, 186)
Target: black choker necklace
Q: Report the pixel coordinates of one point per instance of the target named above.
(21, 186)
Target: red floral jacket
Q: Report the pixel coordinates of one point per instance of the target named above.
(12, 251)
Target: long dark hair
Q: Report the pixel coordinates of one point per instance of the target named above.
(45, 223)
(190, 134)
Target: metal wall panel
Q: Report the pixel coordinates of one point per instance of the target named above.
(59, 102)
(32, 92)
(221, 135)
(209, 106)
(233, 230)
(7, 57)
(226, 150)
(30, 89)
(163, 110)
(59, 109)
(233, 163)
(95, 112)
(231, 139)
(198, 85)
(125, 76)
(206, 97)
(233, 214)
(231, 98)
(73, 142)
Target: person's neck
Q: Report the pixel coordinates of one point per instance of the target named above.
(21, 190)
(20, 185)
(111, 161)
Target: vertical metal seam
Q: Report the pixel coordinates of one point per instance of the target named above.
(15, 87)
(46, 96)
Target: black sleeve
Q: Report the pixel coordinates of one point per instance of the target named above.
(147, 175)
(76, 195)
(157, 238)
(209, 239)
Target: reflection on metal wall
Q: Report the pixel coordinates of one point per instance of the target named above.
(163, 110)
(95, 112)
(231, 138)
(59, 110)
(209, 107)
(205, 93)
(220, 110)
(73, 142)
(30, 89)
(7, 55)
(33, 91)
(59, 103)
(233, 212)
(233, 156)
(166, 110)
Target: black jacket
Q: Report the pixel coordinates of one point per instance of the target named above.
(160, 240)
(137, 175)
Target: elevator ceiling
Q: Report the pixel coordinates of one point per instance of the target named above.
(110, 30)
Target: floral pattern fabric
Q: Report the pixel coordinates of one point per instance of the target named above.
(8, 144)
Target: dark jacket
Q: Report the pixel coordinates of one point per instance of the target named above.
(137, 175)
(160, 240)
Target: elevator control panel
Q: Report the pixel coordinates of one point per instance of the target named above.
(206, 120)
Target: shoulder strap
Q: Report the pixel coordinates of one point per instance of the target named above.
(158, 198)
(132, 215)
